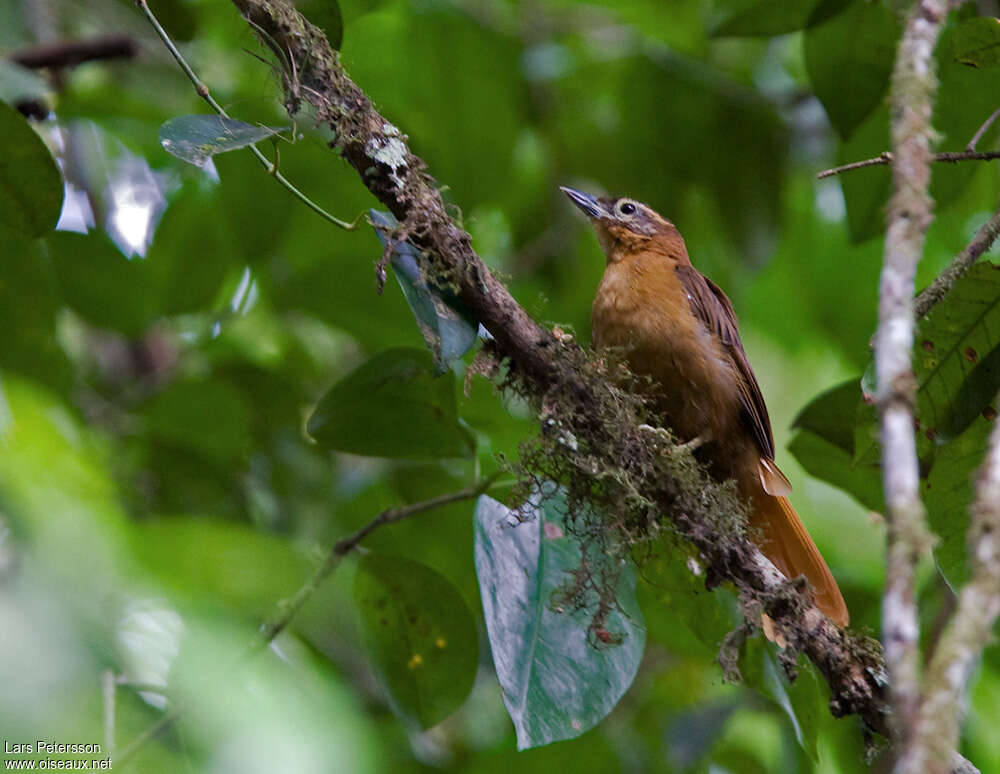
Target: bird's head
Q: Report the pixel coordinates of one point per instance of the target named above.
(625, 226)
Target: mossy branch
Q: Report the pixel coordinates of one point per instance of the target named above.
(555, 373)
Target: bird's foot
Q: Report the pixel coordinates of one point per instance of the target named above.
(662, 434)
(693, 445)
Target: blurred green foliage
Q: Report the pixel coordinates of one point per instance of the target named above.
(160, 495)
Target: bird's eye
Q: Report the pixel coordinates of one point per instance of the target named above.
(626, 208)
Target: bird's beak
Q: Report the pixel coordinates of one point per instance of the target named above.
(589, 204)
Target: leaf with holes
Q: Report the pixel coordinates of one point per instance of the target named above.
(195, 139)
(419, 635)
(957, 357)
(560, 675)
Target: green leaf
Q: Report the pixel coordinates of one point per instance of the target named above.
(103, 286)
(949, 491)
(800, 701)
(444, 321)
(194, 250)
(557, 682)
(31, 188)
(763, 18)
(195, 139)
(58, 496)
(849, 60)
(827, 462)
(957, 355)
(825, 444)
(866, 191)
(966, 98)
(419, 635)
(692, 734)
(956, 362)
(30, 300)
(392, 406)
(977, 42)
(208, 417)
(220, 560)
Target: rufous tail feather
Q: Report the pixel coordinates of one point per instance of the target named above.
(783, 539)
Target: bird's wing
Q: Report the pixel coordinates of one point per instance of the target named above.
(710, 305)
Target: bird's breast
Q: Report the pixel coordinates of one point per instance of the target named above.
(693, 381)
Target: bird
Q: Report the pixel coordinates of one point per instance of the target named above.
(679, 333)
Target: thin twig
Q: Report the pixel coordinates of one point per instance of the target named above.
(951, 157)
(288, 610)
(884, 158)
(914, 85)
(982, 130)
(343, 547)
(202, 90)
(946, 280)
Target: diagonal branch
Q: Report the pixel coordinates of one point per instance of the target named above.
(946, 280)
(546, 366)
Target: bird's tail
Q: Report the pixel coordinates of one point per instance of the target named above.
(783, 539)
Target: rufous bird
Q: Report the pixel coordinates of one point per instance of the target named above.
(678, 329)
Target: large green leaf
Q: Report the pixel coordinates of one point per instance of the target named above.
(957, 357)
(30, 300)
(956, 362)
(948, 492)
(101, 284)
(977, 42)
(965, 99)
(763, 18)
(393, 406)
(849, 60)
(824, 445)
(444, 321)
(420, 637)
(56, 492)
(801, 701)
(221, 560)
(208, 417)
(557, 681)
(31, 188)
